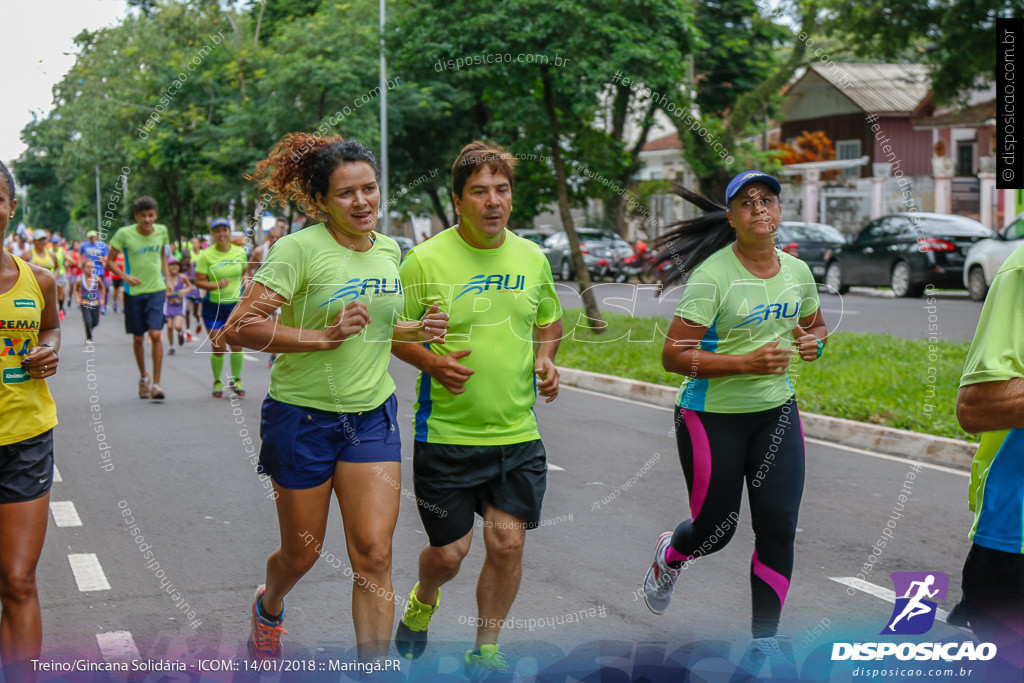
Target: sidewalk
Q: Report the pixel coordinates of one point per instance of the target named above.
(938, 450)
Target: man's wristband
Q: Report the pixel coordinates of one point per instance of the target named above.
(821, 347)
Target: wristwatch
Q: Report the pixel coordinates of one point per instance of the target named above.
(50, 346)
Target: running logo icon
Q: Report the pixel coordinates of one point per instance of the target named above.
(916, 595)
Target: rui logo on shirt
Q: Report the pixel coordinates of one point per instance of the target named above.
(479, 284)
(357, 287)
(762, 312)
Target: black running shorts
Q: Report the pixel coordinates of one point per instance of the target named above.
(26, 468)
(993, 594)
(453, 482)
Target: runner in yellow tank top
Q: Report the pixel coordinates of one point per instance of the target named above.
(40, 255)
(29, 341)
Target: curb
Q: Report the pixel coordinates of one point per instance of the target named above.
(938, 450)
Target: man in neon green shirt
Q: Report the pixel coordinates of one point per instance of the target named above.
(991, 402)
(219, 271)
(145, 287)
(477, 447)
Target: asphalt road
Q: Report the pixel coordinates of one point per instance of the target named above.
(180, 466)
(861, 310)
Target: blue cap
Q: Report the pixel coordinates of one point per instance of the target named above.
(747, 177)
(217, 222)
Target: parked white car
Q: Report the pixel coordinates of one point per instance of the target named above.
(986, 257)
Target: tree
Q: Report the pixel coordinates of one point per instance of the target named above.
(542, 68)
(37, 171)
(739, 51)
(956, 38)
(184, 96)
(430, 121)
(712, 139)
(270, 17)
(138, 102)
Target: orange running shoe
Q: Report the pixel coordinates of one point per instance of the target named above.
(264, 636)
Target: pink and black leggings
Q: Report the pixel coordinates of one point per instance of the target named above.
(721, 451)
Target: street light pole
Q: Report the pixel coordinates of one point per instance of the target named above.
(384, 125)
(98, 209)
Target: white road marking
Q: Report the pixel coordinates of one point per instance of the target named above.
(879, 592)
(64, 513)
(88, 573)
(883, 456)
(249, 356)
(117, 646)
(617, 398)
(56, 475)
(555, 468)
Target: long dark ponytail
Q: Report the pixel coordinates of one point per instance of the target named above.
(686, 244)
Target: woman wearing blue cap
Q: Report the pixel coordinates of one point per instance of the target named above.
(219, 271)
(746, 310)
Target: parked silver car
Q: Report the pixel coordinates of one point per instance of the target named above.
(986, 257)
(602, 249)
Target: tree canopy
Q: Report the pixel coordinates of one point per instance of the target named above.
(956, 38)
(182, 97)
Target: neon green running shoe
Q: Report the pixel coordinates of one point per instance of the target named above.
(488, 665)
(411, 634)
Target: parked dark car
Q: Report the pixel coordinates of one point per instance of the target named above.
(906, 251)
(601, 250)
(811, 242)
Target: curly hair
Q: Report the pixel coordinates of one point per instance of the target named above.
(300, 165)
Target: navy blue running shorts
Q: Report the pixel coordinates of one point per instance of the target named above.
(216, 314)
(144, 312)
(301, 446)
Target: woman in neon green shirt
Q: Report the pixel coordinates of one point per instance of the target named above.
(747, 310)
(219, 271)
(329, 422)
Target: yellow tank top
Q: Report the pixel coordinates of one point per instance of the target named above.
(45, 261)
(25, 403)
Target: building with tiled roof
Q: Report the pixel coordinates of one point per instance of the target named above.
(865, 109)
